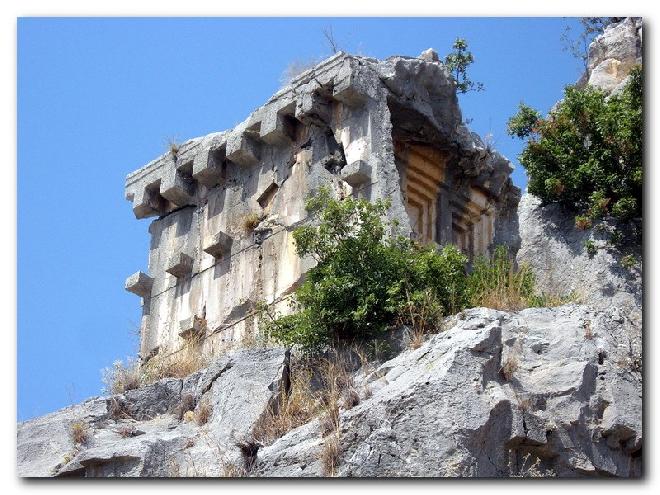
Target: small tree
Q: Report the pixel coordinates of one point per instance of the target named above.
(458, 62)
(587, 153)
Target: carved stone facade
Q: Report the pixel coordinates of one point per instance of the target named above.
(227, 203)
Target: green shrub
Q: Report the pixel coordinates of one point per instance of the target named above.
(591, 247)
(365, 279)
(628, 261)
(587, 153)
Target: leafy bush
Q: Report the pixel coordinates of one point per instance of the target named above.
(364, 278)
(368, 279)
(591, 247)
(587, 153)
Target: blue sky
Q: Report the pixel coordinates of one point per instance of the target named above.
(98, 98)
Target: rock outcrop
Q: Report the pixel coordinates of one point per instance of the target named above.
(613, 53)
(556, 252)
(539, 392)
(534, 393)
(144, 433)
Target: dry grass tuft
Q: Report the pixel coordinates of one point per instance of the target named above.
(351, 398)
(173, 147)
(330, 454)
(249, 449)
(531, 468)
(250, 221)
(294, 409)
(498, 283)
(330, 420)
(79, 432)
(179, 364)
(422, 315)
(186, 360)
(231, 470)
(510, 366)
(186, 404)
(117, 409)
(301, 403)
(203, 413)
(417, 338)
(122, 377)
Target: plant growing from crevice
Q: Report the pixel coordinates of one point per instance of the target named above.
(628, 261)
(79, 432)
(591, 247)
(251, 220)
(458, 62)
(173, 147)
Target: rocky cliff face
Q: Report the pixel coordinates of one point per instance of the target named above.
(613, 53)
(535, 393)
(555, 249)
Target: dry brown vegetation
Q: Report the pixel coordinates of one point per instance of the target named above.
(531, 468)
(122, 377)
(203, 413)
(422, 316)
(302, 403)
(250, 221)
(231, 470)
(186, 404)
(294, 409)
(330, 453)
(79, 432)
(173, 146)
(509, 291)
(179, 364)
(510, 366)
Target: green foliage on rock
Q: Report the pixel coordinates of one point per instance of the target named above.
(587, 153)
(368, 279)
(366, 276)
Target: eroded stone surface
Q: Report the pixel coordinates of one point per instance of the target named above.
(239, 387)
(446, 409)
(613, 53)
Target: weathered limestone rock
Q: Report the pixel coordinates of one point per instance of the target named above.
(139, 433)
(554, 249)
(614, 53)
(364, 127)
(565, 406)
(446, 409)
